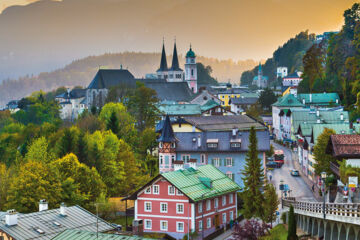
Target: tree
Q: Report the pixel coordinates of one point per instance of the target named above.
(270, 204)
(250, 230)
(270, 152)
(4, 184)
(89, 123)
(204, 75)
(68, 142)
(34, 181)
(322, 159)
(292, 225)
(143, 106)
(352, 17)
(81, 148)
(113, 123)
(267, 97)
(40, 152)
(253, 180)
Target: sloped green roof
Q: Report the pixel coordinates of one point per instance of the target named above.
(86, 235)
(338, 128)
(289, 100)
(190, 183)
(209, 105)
(305, 129)
(180, 109)
(319, 98)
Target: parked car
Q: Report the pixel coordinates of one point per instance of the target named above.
(117, 226)
(294, 173)
(272, 164)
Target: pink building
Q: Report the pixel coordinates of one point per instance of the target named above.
(188, 200)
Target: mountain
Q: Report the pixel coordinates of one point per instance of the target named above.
(46, 35)
(81, 72)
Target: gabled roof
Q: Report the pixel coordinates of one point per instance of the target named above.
(171, 91)
(107, 78)
(167, 133)
(318, 129)
(87, 235)
(180, 109)
(293, 75)
(244, 100)
(344, 146)
(74, 94)
(163, 62)
(209, 105)
(76, 218)
(289, 100)
(175, 61)
(319, 99)
(224, 123)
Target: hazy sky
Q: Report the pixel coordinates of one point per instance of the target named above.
(6, 3)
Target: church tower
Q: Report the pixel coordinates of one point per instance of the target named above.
(162, 72)
(176, 74)
(191, 70)
(167, 147)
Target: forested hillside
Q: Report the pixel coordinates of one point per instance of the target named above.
(289, 55)
(81, 72)
(334, 65)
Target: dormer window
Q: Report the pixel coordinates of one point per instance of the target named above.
(235, 143)
(160, 145)
(212, 143)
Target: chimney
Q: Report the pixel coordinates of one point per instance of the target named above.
(337, 100)
(234, 131)
(43, 205)
(304, 101)
(317, 113)
(318, 121)
(310, 98)
(193, 129)
(11, 218)
(342, 117)
(62, 209)
(199, 141)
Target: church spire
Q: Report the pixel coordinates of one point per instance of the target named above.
(175, 60)
(163, 62)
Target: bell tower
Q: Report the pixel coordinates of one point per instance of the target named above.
(191, 70)
(167, 147)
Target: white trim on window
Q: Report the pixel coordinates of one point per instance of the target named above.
(165, 227)
(146, 221)
(231, 198)
(146, 205)
(216, 203)
(224, 200)
(181, 206)
(156, 189)
(231, 215)
(200, 225)
(178, 228)
(200, 207)
(208, 205)
(224, 218)
(147, 190)
(165, 209)
(171, 190)
(179, 193)
(208, 223)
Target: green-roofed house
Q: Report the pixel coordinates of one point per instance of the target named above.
(319, 99)
(179, 110)
(73, 234)
(286, 102)
(196, 199)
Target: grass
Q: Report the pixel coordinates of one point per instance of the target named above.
(122, 220)
(277, 233)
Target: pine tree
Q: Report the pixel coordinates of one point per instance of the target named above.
(66, 144)
(292, 225)
(253, 180)
(271, 203)
(113, 123)
(81, 148)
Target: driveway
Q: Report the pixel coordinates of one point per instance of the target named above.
(299, 188)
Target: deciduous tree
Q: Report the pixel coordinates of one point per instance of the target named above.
(322, 159)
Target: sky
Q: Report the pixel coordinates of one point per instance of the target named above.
(7, 3)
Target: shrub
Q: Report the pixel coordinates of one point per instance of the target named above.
(283, 217)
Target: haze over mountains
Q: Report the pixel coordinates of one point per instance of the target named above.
(47, 35)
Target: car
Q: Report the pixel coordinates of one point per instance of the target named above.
(272, 164)
(116, 226)
(294, 173)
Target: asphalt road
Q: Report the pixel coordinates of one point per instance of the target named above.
(299, 188)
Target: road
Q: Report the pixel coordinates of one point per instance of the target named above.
(299, 188)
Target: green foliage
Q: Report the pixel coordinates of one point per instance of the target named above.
(322, 159)
(292, 225)
(204, 75)
(113, 123)
(267, 97)
(283, 217)
(68, 142)
(4, 185)
(253, 180)
(270, 152)
(346, 171)
(39, 151)
(270, 204)
(279, 232)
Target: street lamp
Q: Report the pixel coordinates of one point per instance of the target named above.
(202, 212)
(323, 178)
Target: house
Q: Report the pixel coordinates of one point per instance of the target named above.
(72, 103)
(344, 148)
(281, 72)
(225, 94)
(48, 223)
(225, 150)
(319, 99)
(203, 97)
(195, 199)
(292, 80)
(13, 106)
(73, 234)
(242, 104)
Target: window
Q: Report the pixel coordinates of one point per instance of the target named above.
(147, 206)
(156, 189)
(179, 193)
(230, 175)
(231, 198)
(202, 159)
(212, 145)
(179, 208)
(208, 223)
(163, 225)
(208, 205)
(171, 190)
(163, 207)
(147, 224)
(161, 159)
(229, 162)
(200, 207)
(160, 145)
(148, 190)
(231, 215)
(216, 203)
(235, 145)
(173, 145)
(224, 200)
(200, 225)
(172, 158)
(224, 218)
(192, 72)
(185, 158)
(216, 162)
(180, 226)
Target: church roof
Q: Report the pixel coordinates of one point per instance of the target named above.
(74, 94)
(175, 61)
(190, 53)
(167, 133)
(163, 62)
(171, 91)
(107, 78)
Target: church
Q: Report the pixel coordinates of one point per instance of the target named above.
(260, 80)
(172, 84)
